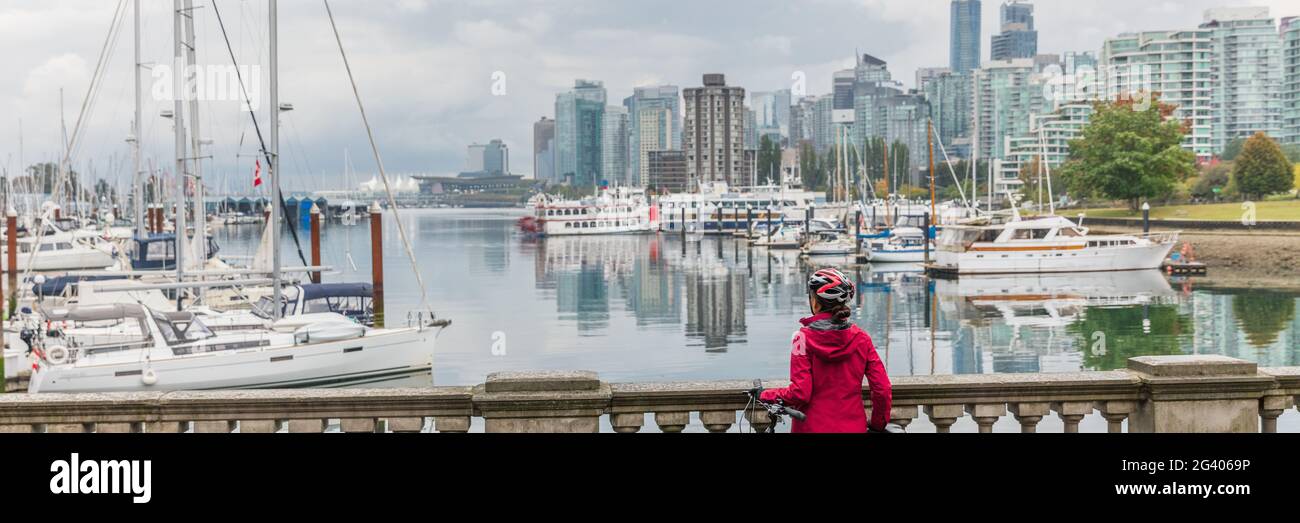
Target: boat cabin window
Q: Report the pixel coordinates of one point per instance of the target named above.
(1030, 234)
(182, 331)
(159, 251)
(1069, 232)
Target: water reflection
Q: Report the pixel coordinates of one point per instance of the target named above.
(644, 307)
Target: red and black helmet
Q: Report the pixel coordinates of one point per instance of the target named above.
(831, 286)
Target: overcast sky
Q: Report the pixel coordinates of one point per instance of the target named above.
(425, 68)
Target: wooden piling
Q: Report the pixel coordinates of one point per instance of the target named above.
(315, 242)
(377, 261)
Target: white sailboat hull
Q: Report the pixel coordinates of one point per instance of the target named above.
(63, 260)
(377, 355)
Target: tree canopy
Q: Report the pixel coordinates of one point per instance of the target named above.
(1129, 154)
(1262, 169)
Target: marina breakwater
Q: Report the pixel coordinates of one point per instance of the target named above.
(1157, 394)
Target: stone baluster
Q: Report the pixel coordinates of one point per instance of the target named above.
(672, 421)
(1029, 414)
(627, 422)
(66, 428)
(943, 416)
(903, 415)
(117, 428)
(1115, 413)
(164, 427)
(1072, 412)
(407, 424)
(357, 425)
(257, 426)
(986, 414)
(1270, 407)
(310, 425)
(457, 424)
(718, 420)
(758, 419)
(218, 426)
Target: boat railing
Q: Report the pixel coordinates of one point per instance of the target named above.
(1163, 237)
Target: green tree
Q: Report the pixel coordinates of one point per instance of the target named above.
(1217, 177)
(1262, 169)
(1232, 150)
(769, 160)
(1129, 154)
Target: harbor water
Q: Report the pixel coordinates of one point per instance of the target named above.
(660, 307)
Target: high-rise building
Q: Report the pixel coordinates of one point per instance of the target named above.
(949, 96)
(964, 36)
(1291, 80)
(654, 134)
(652, 97)
(820, 122)
(1246, 70)
(474, 155)
(613, 146)
(801, 119)
(771, 113)
(1048, 138)
(578, 133)
(751, 129)
(1176, 65)
(713, 131)
(1018, 38)
(1004, 95)
(544, 149)
(667, 171)
(496, 158)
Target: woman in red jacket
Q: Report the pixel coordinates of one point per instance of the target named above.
(828, 359)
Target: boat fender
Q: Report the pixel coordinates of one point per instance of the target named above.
(57, 355)
(149, 377)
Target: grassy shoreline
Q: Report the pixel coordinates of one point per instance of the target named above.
(1276, 210)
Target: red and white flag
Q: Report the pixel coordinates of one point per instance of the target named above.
(257, 173)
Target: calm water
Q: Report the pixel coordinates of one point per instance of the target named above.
(651, 307)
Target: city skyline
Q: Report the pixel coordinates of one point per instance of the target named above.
(424, 117)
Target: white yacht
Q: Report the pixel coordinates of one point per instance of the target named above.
(1045, 244)
(723, 210)
(128, 347)
(61, 251)
(614, 211)
(900, 245)
(829, 243)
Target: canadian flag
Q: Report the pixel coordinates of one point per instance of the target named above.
(257, 173)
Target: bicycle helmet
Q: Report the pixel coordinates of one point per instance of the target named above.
(831, 286)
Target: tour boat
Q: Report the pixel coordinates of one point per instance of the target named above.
(1045, 244)
(900, 245)
(614, 211)
(141, 349)
(723, 210)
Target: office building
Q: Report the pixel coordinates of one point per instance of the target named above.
(713, 131)
(613, 146)
(1018, 38)
(544, 149)
(666, 97)
(579, 133)
(964, 36)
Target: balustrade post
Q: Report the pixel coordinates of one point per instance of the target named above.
(1198, 393)
(568, 401)
(1115, 413)
(405, 424)
(627, 423)
(1270, 407)
(1072, 412)
(217, 426)
(718, 420)
(357, 425)
(1029, 414)
(985, 415)
(758, 419)
(943, 416)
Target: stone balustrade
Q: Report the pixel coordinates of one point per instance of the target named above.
(1155, 394)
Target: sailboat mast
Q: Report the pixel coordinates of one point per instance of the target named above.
(274, 153)
(196, 141)
(136, 192)
(885, 161)
(178, 118)
(929, 135)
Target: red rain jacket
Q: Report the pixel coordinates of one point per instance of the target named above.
(827, 363)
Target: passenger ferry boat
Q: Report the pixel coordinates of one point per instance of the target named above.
(615, 211)
(722, 210)
(1045, 244)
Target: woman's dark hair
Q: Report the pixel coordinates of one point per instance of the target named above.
(840, 311)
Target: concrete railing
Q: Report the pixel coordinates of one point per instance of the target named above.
(1155, 394)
